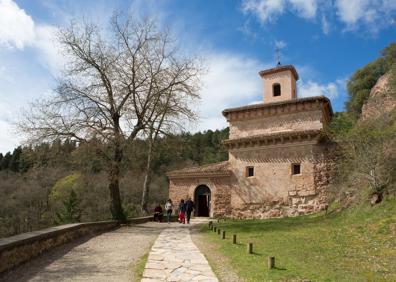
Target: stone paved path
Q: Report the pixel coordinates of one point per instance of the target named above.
(174, 257)
(110, 256)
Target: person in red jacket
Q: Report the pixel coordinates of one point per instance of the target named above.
(158, 213)
(182, 212)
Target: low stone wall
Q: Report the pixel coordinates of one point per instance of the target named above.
(23, 247)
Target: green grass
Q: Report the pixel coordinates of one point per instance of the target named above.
(139, 268)
(354, 245)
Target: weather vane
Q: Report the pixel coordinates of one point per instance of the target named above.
(278, 55)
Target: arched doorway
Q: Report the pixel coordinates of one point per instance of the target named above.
(202, 200)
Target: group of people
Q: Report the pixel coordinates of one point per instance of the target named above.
(185, 210)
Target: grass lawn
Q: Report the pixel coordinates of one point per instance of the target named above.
(355, 245)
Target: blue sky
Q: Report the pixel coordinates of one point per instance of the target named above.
(325, 40)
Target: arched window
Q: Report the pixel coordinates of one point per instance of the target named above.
(276, 89)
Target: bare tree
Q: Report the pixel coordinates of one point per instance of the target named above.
(174, 107)
(111, 89)
(369, 151)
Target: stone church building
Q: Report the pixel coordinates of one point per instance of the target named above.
(279, 160)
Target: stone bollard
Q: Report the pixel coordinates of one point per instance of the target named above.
(234, 239)
(218, 220)
(218, 231)
(210, 224)
(214, 229)
(271, 262)
(250, 248)
(223, 235)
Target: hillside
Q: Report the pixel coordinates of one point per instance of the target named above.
(62, 182)
(358, 244)
(356, 239)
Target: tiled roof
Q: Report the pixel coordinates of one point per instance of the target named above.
(216, 169)
(279, 69)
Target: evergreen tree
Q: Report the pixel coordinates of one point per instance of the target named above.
(71, 211)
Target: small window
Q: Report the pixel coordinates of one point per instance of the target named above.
(276, 89)
(249, 171)
(296, 169)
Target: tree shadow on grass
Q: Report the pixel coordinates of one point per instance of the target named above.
(279, 268)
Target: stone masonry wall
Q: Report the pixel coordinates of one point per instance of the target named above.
(23, 247)
(182, 188)
(308, 120)
(288, 86)
(274, 191)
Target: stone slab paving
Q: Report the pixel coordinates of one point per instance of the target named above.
(174, 257)
(110, 256)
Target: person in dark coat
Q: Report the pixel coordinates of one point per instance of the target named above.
(158, 213)
(182, 211)
(189, 208)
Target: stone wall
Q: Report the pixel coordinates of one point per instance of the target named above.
(182, 188)
(24, 247)
(308, 120)
(288, 86)
(274, 191)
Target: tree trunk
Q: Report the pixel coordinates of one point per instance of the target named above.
(114, 186)
(147, 178)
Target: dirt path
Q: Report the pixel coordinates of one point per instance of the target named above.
(110, 256)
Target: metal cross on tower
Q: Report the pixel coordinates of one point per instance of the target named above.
(277, 50)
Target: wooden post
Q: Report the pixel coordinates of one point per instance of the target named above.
(210, 224)
(218, 220)
(250, 248)
(234, 239)
(223, 235)
(218, 231)
(271, 262)
(214, 229)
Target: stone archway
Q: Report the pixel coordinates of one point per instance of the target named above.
(202, 200)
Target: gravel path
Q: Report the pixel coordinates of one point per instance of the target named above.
(174, 257)
(110, 256)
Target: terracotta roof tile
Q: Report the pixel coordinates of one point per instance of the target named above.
(216, 169)
(279, 69)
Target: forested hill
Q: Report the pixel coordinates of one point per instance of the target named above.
(62, 182)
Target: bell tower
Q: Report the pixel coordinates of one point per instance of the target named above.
(279, 83)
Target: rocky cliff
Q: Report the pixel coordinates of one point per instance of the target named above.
(381, 99)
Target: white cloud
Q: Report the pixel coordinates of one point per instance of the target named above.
(325, 25)
(49, 48)
(280, 44)
(265, 10)
(372, 15)
(18, 30)
(16, 27)
(231, 81)
(270, 10)
(8, 140)
(305, 8)
(332, 90)
(350, 11)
